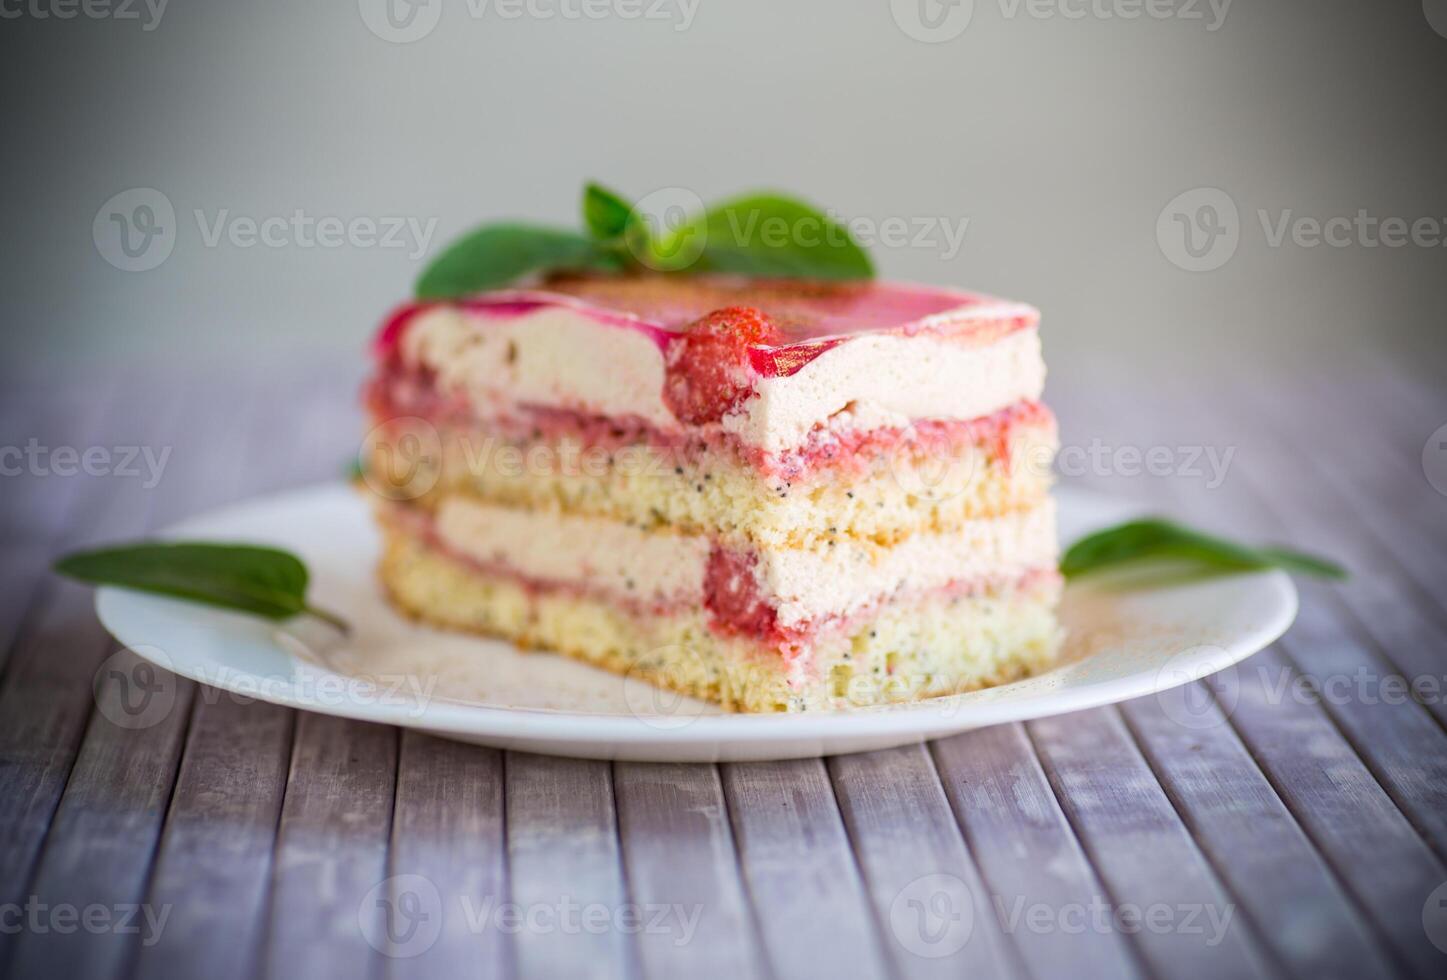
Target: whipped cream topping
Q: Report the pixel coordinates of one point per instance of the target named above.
(552, 356)
(890, 380)
(562, 356)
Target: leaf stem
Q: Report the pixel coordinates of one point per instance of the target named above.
(327, 617)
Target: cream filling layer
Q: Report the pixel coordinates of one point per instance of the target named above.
(805, 584)
(802, 584)
(563, 358)
(587, 552)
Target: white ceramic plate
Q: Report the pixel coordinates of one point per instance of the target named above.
(1123, 643)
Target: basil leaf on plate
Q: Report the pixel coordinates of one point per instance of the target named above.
(1159, 539)
(265, 582)
(772, 236)
(605, 213)
(498, 255)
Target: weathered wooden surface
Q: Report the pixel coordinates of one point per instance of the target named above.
(1287, 818)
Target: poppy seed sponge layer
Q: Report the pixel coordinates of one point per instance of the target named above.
(934, 647)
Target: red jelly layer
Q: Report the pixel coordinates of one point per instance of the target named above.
(397, 392)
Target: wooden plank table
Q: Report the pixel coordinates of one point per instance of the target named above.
(1285, 818)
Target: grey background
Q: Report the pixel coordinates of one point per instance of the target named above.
(1060, 139)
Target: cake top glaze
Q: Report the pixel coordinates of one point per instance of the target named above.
(765, 362)
(802, 309)
(806, 312)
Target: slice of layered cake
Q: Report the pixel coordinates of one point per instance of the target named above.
(774, 495)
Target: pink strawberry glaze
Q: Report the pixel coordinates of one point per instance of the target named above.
(812, 316)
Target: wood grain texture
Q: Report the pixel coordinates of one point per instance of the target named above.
(21, 574)
(1303, 791)
(448, 834)
(1371, 704)
(1182, 921)
(332, 913)
(214, 864)
(45, 701)
(101, 842)
(100, 846)
(568, 890)
(1351, 821)
(1407, 636)
(1268, 865)
(1040, 882)
(1382, 482)
(1333, 665)
(1327, 662)
(24, 412)
(683, 874)
(809, 903)
(1299, 724)
(938, 917)
(46, 691)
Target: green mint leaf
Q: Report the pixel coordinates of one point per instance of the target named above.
(1159, 539)
(606, 215)
(763, 235)
(498, 255)
(772, 236)
(262, 581)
